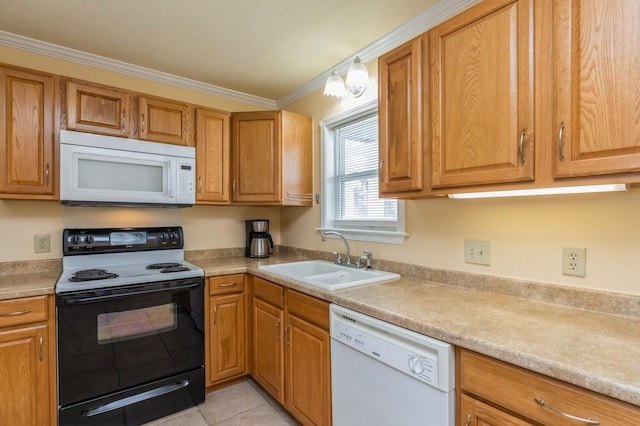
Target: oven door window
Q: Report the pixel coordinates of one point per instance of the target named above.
(136, 323)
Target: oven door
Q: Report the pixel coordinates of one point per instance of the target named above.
(121, 337)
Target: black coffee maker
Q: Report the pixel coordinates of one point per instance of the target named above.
(259, 242)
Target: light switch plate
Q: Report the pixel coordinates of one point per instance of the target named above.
(477, 251)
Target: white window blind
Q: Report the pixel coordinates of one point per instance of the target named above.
(350, 178)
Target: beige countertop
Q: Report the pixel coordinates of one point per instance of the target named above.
(594, 350)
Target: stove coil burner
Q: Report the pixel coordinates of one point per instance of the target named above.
(92, 275)
(163, 265)
(168, 267)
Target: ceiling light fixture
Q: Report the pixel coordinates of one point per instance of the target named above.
(542, 191)
(356, 84)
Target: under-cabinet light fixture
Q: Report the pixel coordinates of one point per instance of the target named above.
(356, 84)
(542, 191)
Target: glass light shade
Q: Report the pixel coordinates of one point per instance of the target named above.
(334, 86)
(357, 78)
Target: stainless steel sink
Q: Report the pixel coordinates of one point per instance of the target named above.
(327, 275)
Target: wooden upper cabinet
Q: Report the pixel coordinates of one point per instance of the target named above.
(162, 120)
(482, 95)
(27, 141)
(212, 157)
(97, 109)
(272, 155)
(596, 71)
(401, 140)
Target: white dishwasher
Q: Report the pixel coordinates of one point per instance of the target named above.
(382, 374)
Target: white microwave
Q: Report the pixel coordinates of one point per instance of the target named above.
(97, 170)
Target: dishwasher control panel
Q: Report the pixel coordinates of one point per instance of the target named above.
(424, 358)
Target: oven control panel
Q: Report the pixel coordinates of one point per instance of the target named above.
(116, 240)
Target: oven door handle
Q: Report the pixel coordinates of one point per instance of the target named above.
(70, 300)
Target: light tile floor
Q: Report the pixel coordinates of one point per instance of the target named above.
(241, 404)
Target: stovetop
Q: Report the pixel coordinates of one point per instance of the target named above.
(110, 257)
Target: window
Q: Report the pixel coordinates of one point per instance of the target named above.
(350, 203)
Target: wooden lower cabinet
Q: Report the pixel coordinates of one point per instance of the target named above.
(226, 356)
(27, 365)
(291, 350)
(492, 392)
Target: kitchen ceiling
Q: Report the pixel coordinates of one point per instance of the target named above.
(264, 48)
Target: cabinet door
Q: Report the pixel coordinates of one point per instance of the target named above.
(227, 328)
(400, 120)
(307, 367)
(161, 120)
(268, 360)
(597, 90)
(212, 157)
(482, 94)
(476, 413)
(97, 110)
(27, 145)
(24, 358)
(256, 157)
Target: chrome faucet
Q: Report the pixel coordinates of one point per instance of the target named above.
(366, 257)
(346, 245)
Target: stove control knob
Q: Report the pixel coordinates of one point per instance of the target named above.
(174, 236)
(76, 239)
(89, 239)
(164, 236)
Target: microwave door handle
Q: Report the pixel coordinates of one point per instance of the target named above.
(170, 168)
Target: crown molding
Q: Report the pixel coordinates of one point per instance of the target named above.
(422, 22)
(412, 28)
(101, 62)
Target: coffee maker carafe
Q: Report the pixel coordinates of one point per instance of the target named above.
(259, 242)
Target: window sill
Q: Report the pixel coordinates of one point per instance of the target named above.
(371, 236)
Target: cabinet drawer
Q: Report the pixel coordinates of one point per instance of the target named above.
(226, 284)
(269, 292)
(308, 308)
(23, 311)
(518, 389)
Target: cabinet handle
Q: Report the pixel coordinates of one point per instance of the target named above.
(560, 130)
(200, 184)
(521, 145)
(234, 187)
(287, 332)
(588, 420)
(124, 120)
(15, 314)
(41, 342)
(46, 175)
(468, 421)
(278, 329)
(215, 315)
(142, 129)
(229, 284)
(380, 171)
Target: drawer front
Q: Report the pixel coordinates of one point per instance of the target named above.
(269, 292)
(23, 311)
(226, 284)
(518, 389)
(308, 308)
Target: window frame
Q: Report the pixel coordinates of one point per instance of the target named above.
(327, 222)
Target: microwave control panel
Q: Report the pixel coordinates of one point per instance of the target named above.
(186, 181)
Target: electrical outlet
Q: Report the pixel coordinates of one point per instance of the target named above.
(42, 243)
(477, 251)
(574, 261)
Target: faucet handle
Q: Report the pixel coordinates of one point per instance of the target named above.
(366, 255)
(338, 258)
